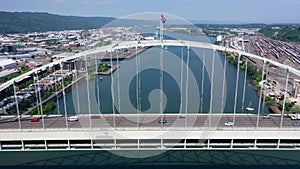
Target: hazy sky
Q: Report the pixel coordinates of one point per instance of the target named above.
(266, 11)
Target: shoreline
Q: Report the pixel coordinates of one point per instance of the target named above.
(113, 68)
(123, 56)
(54, 96)
(273, 109)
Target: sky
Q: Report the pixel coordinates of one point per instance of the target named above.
(254, 11)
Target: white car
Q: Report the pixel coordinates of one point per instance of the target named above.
(73, 118)
(267, 116)
(229, 123)
(295, 116)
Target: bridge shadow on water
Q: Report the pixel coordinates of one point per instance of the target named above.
(169, 159)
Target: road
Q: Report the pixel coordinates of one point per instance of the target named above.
(151, 122)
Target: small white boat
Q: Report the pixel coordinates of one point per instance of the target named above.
(249, 108)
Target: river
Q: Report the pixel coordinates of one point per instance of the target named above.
(100, 92)
(174, 84)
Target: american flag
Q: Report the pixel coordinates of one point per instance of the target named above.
(163, 18)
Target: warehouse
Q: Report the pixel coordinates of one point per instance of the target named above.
(7, 63)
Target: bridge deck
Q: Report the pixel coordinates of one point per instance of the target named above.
(190, 132)
(152, 122)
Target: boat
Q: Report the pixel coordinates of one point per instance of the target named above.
(250, 108)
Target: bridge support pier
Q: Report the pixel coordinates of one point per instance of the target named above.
(231, 143)
(278, 144)
(46, 145)
(23, 146)
(92, 144)
(115, 143)
(255, 143)
(208, 143)
(69, 145)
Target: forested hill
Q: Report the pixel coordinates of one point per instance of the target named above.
(290, 33)
(23, 22)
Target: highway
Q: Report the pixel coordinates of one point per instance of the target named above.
(151, 122)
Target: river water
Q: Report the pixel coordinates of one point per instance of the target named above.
(175, 88)
(127, 89)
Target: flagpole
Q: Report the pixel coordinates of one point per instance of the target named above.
(161, 30)
(163, 19)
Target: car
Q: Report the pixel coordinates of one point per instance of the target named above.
(228, 123)
(73, 118)
(182, 116)
(162, 121)
(295, 116)
(35, 119)
(95, 117)
(297, 124)
(267, 116)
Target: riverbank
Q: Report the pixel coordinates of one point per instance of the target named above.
(254, 71)
(54, 96)
(109, 71)
(126, 54)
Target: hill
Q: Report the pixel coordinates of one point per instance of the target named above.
(290, 33)
(23, 22)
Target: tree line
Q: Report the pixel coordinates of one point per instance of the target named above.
(24, 22)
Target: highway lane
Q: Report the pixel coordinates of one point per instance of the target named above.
(151, 122)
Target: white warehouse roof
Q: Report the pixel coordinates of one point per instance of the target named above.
(5, 62)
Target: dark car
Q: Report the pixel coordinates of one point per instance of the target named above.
(297, 124)
(162, 121)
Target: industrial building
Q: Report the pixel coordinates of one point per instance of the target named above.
(7, 64)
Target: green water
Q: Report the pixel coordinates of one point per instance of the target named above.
(100, 90)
